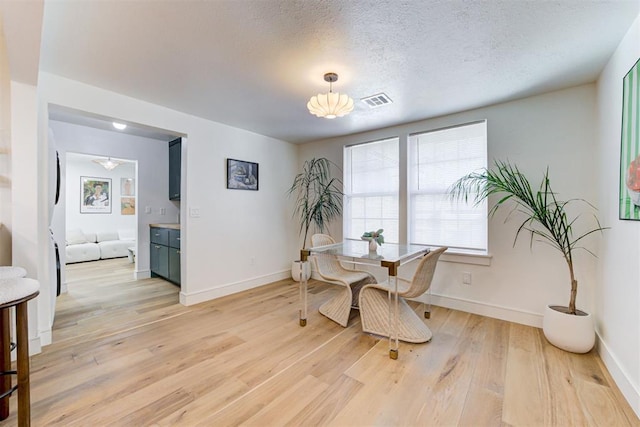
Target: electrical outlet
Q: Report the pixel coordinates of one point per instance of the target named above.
(194, 212)
(163, 211)
(466, 278)
(147, 209)
(252, 260)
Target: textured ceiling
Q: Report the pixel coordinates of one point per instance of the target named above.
(253, 64)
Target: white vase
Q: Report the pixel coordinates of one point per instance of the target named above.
(574, 333)
(373, 245)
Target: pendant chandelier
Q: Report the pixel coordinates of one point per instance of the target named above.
(108, 164)
(330, 105)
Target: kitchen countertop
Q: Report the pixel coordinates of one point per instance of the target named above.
(171, 226)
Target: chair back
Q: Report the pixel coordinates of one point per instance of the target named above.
(321, 240)
(327, 266)
(421, 280)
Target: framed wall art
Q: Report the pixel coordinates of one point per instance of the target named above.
(95, 195)
(630, 145)
(127, 205)
(242, 175)
(127, 187)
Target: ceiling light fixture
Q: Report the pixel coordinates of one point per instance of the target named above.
(119, 126)
(330, 105)
(108, 163)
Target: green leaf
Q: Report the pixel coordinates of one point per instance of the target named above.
(318, 196)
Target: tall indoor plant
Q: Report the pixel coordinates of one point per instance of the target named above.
(318, 197)
(546, 219)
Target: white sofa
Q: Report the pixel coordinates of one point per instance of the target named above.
(101, 245)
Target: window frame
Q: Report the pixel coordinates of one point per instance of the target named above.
(456, 255)
(411, 192)
(349, 195)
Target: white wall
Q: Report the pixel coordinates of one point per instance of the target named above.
(556, 130)
(28, 244)
(152, 157)
(5, 156)
(618, 291)
(78, 166)
(241, 239)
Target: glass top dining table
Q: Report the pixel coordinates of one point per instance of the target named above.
(388, 255)
(389, 252)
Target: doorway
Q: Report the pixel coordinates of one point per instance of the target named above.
(105, 210)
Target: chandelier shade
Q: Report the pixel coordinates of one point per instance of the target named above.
(108, 164)
(330, 105)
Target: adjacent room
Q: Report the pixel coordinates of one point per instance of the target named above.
(292, 212)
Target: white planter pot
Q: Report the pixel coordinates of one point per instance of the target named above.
(296, 270)
(574, 333)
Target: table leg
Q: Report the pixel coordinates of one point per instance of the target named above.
(303, 293)
(5, 361)
(393, 317)
(427, 306)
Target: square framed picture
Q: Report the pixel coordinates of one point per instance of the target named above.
(630, 145)
(127, 187)
(127, 205)
(242, 175)
(95, 195)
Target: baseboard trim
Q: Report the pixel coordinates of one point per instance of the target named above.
(45, 338)
(489, 310)
(143, 274)
(232, 288)
(35, 345)
(629, 390)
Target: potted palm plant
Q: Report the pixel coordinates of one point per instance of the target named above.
(318, 200)
(545, 218)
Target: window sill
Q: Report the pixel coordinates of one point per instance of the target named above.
(467, 258)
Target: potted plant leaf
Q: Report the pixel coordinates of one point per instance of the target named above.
(318, 200)
(544, 218)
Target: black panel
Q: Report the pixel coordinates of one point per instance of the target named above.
(58, 278)
(57, 178)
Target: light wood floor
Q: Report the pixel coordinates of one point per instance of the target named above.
(126, 353)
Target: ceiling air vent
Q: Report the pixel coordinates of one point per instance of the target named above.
(375, 101)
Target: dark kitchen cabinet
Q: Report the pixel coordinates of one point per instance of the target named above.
(175, 162)
(165, 253)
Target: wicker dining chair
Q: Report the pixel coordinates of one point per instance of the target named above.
(330, 270)
(374, 303)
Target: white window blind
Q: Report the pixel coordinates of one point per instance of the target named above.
(436, 160)
(371, 186)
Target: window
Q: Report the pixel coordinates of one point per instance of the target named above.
(371, 187)
(436, 160)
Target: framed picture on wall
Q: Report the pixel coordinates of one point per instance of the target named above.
(127, 187)
(95, 195)
(630, 145)
(127, 205)
(242, 175)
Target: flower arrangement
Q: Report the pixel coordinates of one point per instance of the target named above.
(374, 235)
